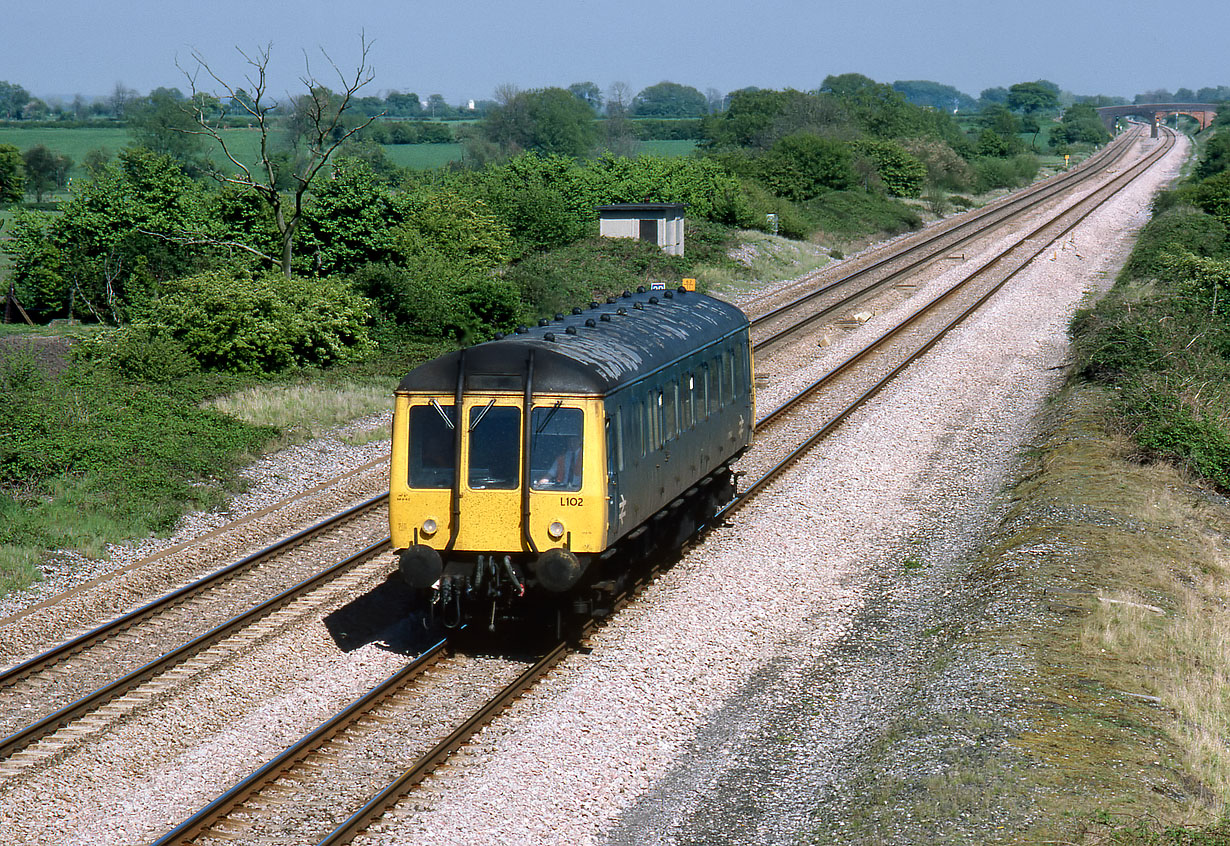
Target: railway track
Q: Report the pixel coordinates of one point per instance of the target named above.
(75, 678)
(865, 372)
(822, 299)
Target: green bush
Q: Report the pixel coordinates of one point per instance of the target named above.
(804, 165)
(593, 268)
(434, 298)
(855, 214)
(902, 174)
(137, 353)
(991, 172)
(85, 443)
(240, 323)
(1176, 228)
(1172, 429)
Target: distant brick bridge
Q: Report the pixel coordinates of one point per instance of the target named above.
(1204, 113)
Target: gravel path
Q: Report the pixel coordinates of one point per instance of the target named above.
(677, 730)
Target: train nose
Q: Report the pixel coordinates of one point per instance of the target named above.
(420, 566)
(558, 570)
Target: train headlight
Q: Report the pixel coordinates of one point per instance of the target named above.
(556, 530)
(429, 527)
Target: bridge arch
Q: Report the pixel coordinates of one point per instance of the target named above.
(1203, 113)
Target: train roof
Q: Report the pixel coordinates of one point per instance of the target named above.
(594, 351)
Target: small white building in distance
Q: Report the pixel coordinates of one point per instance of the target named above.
(661, 223)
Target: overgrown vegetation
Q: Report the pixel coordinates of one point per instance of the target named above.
(1161, 338)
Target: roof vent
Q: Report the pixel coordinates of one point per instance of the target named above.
(653, 300)
(576, 310)
(593, 303)
(640, 289)
(624, 310)
(606, 318)
(550, 336)
(638, 305)
(542, 321)
(559, 316)
(499, 336)
(627, 294)
(590, 323)
(521, 330)
(610, 300)
(571, 330)
(681, 290)
(670, 295)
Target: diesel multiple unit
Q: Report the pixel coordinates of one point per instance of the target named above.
(528, 471)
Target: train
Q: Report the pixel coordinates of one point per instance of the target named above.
(529, 473)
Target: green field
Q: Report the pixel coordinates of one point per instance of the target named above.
(245, 144)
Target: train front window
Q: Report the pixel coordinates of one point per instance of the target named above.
(555, 448)
(495, 447)
(432, 457)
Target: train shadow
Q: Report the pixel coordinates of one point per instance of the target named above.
(383, 616)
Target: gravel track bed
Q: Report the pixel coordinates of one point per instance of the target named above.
(666, 732)
(155, 758)
(82, 673)
(78, 593)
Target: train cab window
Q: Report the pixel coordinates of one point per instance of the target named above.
(432, 457)
(495, 447)
(556, 448)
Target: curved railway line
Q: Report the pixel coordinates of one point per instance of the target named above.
(861, 376)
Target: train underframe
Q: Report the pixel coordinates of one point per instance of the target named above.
(556, 587)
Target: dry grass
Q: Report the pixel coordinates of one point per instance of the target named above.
(302, 412)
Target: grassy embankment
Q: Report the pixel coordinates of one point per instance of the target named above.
(1100, 602)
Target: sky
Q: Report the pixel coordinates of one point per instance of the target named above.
(464, 49)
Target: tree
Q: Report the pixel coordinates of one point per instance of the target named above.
(13, 99)
(1030, 98)
(163, 122)
(120, 98)
(12, 174)
(803, 166)
(41, 170)
(670, 100)
(945, 98)
(589, 93)
(988, 96)
(547, 120)
(324, 132)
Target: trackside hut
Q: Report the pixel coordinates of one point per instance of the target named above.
(661, 223)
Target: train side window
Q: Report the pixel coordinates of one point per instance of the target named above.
(618, 433)
(432, 456)
(670, 416)
(719, 378)
(734, 380)
(642, 435)
(689, 400)
(655, 420)
(704, 393)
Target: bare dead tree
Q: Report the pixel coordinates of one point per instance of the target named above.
(320, 122)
